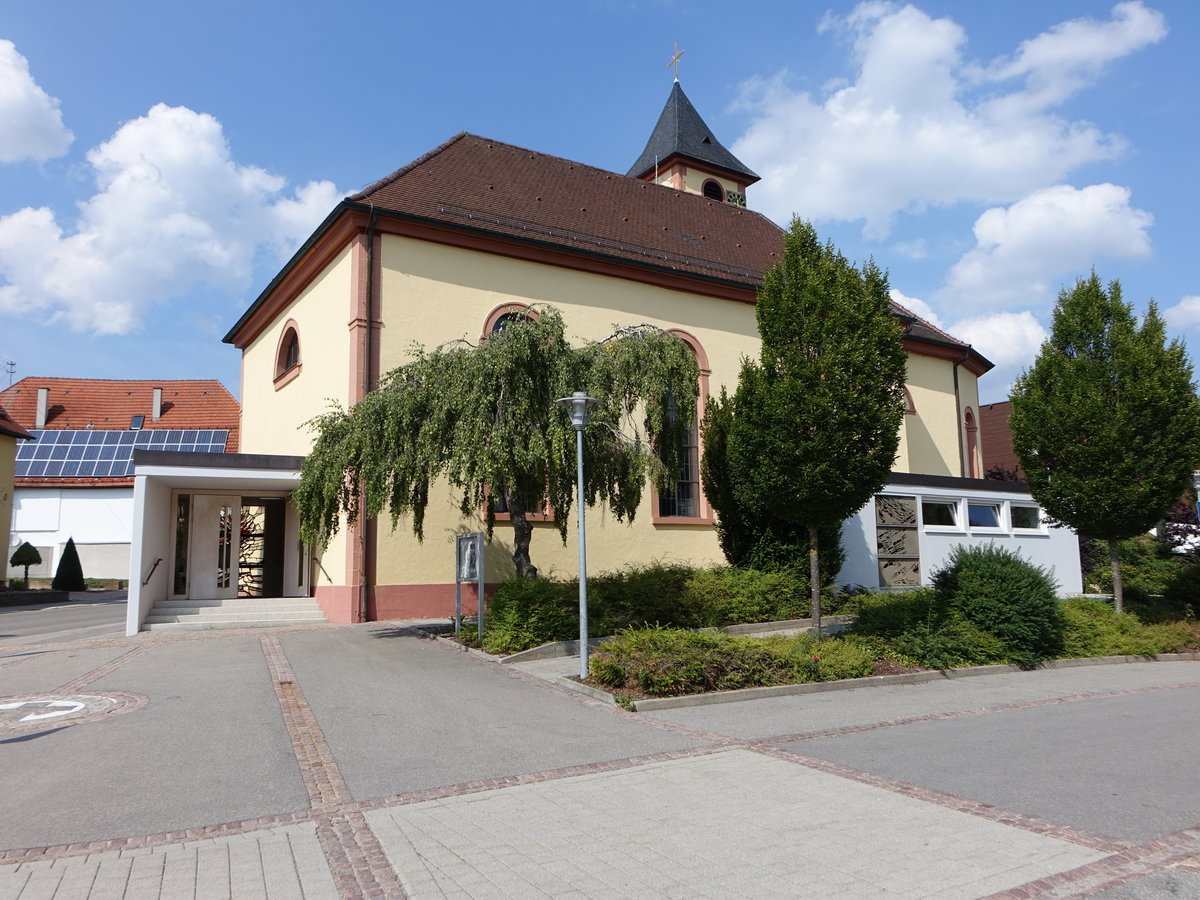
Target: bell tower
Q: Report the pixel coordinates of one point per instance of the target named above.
(683, 153)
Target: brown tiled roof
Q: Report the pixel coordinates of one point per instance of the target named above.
(79, 403)
(10, 428)
(473, 182)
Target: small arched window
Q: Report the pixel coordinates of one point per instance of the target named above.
(713, 191)
(504, 315)
(287, 355)
(972, 432)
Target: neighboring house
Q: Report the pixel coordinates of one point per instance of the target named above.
(449, 246)
(10, 433)
(75, 478)
(997, 438)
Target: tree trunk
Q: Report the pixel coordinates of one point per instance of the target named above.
(1118, 591)
(522, 532)
(814, 577)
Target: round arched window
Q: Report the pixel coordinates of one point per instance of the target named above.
(714, 191)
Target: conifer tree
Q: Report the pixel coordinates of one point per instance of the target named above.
(69, 574)
(1106, 422)
(816, 421)
(484, 419)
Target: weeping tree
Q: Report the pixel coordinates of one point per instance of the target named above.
(815, 422)
(483, 418)
(1106, 422)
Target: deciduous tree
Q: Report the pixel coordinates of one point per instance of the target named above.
(1106, 422)
(815, 422)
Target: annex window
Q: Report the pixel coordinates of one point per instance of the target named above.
(983, 515)
(897, 541)
(287, 355)
(940, 513)
(1025, 518)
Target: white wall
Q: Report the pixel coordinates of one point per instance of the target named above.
(152, 538)
(99, 519)
(1056, 549)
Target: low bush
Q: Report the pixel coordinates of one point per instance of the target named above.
(1005, 595)
(526, 612)
(1182, 591)
(1094, 628)
(727, 596)
(668, 662)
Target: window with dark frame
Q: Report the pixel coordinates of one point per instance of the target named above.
(683, 500)
(714, 191)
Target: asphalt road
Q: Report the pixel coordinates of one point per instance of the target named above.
(93, 614)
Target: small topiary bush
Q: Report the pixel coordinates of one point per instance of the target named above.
(1005, 595)
(69, 575)
(669, 662)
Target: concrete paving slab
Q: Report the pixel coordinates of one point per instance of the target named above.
(239, 867)
(404, 713)
(210, 747)
(44, 671)
(754, 719)
(687, 812)
(1118, 766)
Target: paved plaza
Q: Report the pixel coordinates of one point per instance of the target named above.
(372, 761)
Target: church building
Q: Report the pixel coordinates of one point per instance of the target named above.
(475, 231)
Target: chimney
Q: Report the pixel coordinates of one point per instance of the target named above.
(43, 406)
(157, 405)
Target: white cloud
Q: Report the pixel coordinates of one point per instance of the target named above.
(1010, 340)
(1024, 249)
(173, 211)
(33, 126)
(1185, 314)
(920, 126)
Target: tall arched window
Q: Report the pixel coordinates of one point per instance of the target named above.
(684, 502)
(972, 443)
(287, 355)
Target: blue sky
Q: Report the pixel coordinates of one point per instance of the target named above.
(159, 162)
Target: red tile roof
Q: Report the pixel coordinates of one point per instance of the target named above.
(11, 428)
(79, 403)
(471, 181)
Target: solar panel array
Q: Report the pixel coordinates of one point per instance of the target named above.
(104, 454)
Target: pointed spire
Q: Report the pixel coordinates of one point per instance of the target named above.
(680, 132)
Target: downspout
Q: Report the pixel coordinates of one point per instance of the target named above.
(958, 416)
(364, 527)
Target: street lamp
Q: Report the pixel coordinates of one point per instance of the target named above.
(580, 405)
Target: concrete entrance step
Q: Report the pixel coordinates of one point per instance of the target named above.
(236, 613)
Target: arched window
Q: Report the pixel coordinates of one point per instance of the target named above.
(684, 502)
(504, 315)
(909, 409)
(972, 443)
(713, 191)
(287, 355)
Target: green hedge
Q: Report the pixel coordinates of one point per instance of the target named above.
(524, 613)
(669, 662)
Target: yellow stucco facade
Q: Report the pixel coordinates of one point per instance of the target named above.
(430, 293)
(8, 455)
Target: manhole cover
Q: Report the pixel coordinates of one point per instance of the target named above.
(51, 710)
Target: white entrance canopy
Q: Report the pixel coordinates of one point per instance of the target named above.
(159, 476)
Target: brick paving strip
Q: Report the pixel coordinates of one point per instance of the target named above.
(352, 850)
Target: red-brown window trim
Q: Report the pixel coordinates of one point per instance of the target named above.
(506, 309)
(909, 408)
(285, 374)
(706, 516)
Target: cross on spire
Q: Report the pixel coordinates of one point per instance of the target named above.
(674, 63)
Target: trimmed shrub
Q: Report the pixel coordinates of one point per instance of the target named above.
(526, 612)
(891, 613)
(669, 662)
(729, 596)
(25, 555)
(1005, 595)
(69, 574)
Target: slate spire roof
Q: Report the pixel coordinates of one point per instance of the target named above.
(680, 132)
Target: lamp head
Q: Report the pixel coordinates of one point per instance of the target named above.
(580, 405)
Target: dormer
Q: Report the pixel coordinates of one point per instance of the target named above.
(683, 153)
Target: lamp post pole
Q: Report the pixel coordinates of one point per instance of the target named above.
(580, 405)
